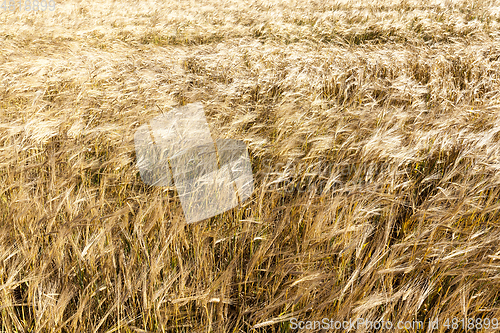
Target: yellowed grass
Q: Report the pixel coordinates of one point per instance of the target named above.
(381, 116)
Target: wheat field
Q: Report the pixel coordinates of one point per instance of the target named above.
(373, 130)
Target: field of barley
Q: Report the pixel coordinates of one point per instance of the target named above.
(373, 129)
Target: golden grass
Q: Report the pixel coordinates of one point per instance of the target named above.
(381, 116)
